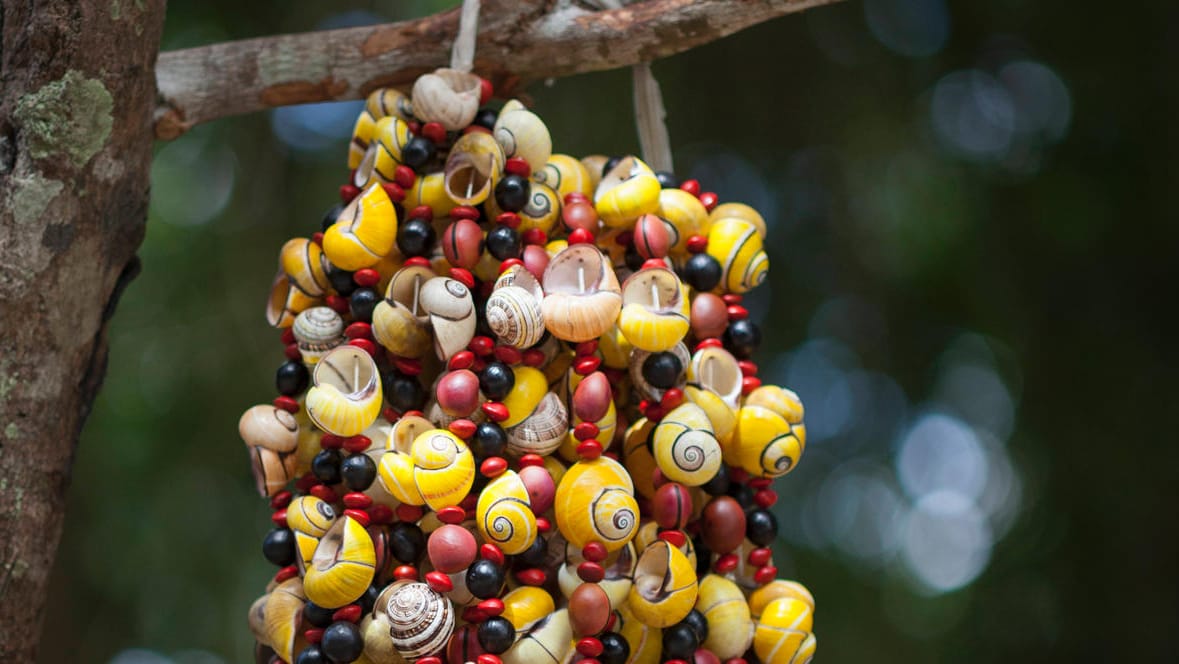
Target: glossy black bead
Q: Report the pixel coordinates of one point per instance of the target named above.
(496, 381)
(615, 649)
(312, 654)
(679, 642)
(341, 281)
(358, 471)
(511, 194)
(742, 338)
(417, 152)
(342, 642)
(403, 392)
(331, 216)
(504, 242)
(479, 482)
(369, 599)
(279, 547)
(743, 494)
(496, 634)
(719, 484)
(489, 440)
(326, 466)
(486, 117)
(667, 180)
(698, 623)
(703, 557)
(702, 272)
(291, 378)
(485, 579)
(415, 237)
(482, 327)
(610, 164)
(634, 260)
(536, 555)
(362, 302)
(662, 370)
(406, 542)
(761, 527)
(317, 615)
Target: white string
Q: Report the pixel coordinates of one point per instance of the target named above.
(462, 54)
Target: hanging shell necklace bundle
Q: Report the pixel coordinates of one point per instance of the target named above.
(519, 410)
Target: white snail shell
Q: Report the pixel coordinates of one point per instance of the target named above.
(420, 620)
(318, 330)
(448, 97)
(513, 309)
(542, 431)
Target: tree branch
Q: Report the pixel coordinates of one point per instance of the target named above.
(518, 42)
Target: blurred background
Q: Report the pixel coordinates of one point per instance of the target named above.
(973, 261)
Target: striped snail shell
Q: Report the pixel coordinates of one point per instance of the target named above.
(784, 632)
(521, 133)
(283, 614)
(473, 168)
(546, 641)
(312, 517)
(582, 297)
(715, 369)
(595, 502)
(778, 588)
(420, 620)
(430, 189)
(730, 627)
(269, 427)
(594, 165)
(399, 321)
(286, 302)
(655, 310)
(619, 572)
(364, 233)
(405, 430)
(447, 96)
(626, 193)
(444, 468)
(640, 462)
(647, 390)
(542, 431)
(645, 641)
(380, 103)
(381, 158)
(318, 330)
(565, 175)
(765, 444)
(452, 314)
(395, 472)
(343, 566)
(527, 604)
(302, 261)
(272, 470)
(504, 515)
(736, 245)
(513, 308)
(739, 211)
(664, 589)
(685, 216)
(346, 398)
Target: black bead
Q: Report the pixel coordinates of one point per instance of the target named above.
(667, 180)
(496, 634)
(742, 338)
(761, 527)
(486, 118)
(719, 484)
(503, 242)
(702, 272)
(417, 152)
(743, 494)
(662, 370)
(358, 471)
(536, 555)
(331, 216)
(489, 440)
(311, 655)
(482, 327)
(406, 542)
(634, 260)
(698, 623)
(610, 164)
(341, 281)
(362, 302)
(317, 615)
(679, 642)
(279, 547)
(326, 466)
(485, 579)
(291, 378)
(415, 237)
(703, 557)
(342, 642)
(496, 381)
(369, 599)
(615, 649)
(403, 392)
(512, 193)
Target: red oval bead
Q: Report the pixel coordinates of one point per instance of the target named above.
(357, 444)
(422, 212)
(481, 346)
(590, 572)
(508, 355)
(736, 660)
(486, 658)
(453, 514)
(366, 277)
(433, 659)
(288, 572)
(280, 500)
(330, 441)
(439, 582)
(533, 357)
(359, 330)
(458, 392)
(394, 191)
(760, 556)
(585, 366)
(405, 573)
(723, 524)
(292, 352)
(464, 212)
(737, 312)
(697, 244)
(508, 264)
(324, 493)
(380, 514)
(654, 262)
(585, 431)
(574, 197)
(408, 366)
(493, 466)
(586, 348)
(288, 336)
(409, 513)
(704, 656)
(749, 384)
(765, 574)
(306, 481)
(589, 450)
(463, 428)
(463, 276)
(473, 615)
(711, 342)
(486, 91)
(350, 613)
(337, 303)
(496, 411)
(286, 403)
(360, 516)
(356, 500)
(491, 607)
(434, 131)
(314, 635)
(404, 176)
(534, 236)
(531, 460)
(765, 498)
(655, 413)
(675, 538)
(364, 344)
(726, 563)
(747, 368)
(543, 525)
(709, 199)
(492, 552)
(672, 505)
(691, 186)
(532, 577)
(462, 243)
(672, 399)
(733, 298)
(509, 219)
(517, 166)
(463, 359)
(348, 192)
(589, 647)
(279, 518)
(595, 552)
(581, 236)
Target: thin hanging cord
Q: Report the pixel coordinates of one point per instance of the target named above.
(462, 54)
(650, 119)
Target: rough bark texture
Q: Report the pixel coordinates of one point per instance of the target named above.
(76, 99)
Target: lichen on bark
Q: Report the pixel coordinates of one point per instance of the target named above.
(69, 117)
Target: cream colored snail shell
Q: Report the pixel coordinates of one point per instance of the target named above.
(582, 296)
(346, 398)
(448, 97)
(473, 168)
(521, 133)
(420, 620)
(318, 330)
(399, 321)
(269, 427)
(452, 312)
(542, 431)
(546, 641)
(513, 309)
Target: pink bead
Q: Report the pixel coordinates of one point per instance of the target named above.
(458, 393)
(541, 489)
(451, 548)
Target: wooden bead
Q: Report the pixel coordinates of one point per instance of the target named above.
(541, 488)
(723, 524)
(462, 243)
(709, 316)
(589, 609)
(672, 506)
(458, 393)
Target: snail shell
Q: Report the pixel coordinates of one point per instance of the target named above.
(283, 615)
(269, 427)
(286, 302)
(720, 415)
(654, 310)
(765, 443)
(430, 190)
(473, 167)
(444, 468)
(615, 349)
(783, 633)
(685, 216)
(565, 175)
(504, 515)
(463, 645)
(346, 398)
(380, 103)
(739, 211)
(364, 233)
(380, 160)
(525, 605)
(309, 518)
(595, 502)
(452, 313)
(546, 641)
(716, 370)
(405, 430)
(776, 589)
(645, 389)
(513, 309)
(646, 643)
(256, 618)
(343, 565)
(582, 297)
(684, 446)
(780, 400)
(736, 245)
(420, 620)
(448, 97)
(396, 474)
(541, 211)
(400, 324)
(302, 261)
(542, 431)
(636, 453)
(378, 647)
(595, 164)
(664, 589)
(318, 330)
(730, 627)
(521, 133)
(619, 573)
(272, 470)
(626, 193)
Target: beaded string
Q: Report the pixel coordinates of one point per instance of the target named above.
(462, 53)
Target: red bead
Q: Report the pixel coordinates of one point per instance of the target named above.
(324, 493)
(508, 354)
(672, 505)
(675, 538)
(473, 615)
(765, 575)
(655, 413)
(406, 573)
(394, 191)
(476, 129)
(404, 176)
(407, 366)
(654, 262)
(380, 514)
(463, 276)
(586, 348)
(280, 500)
(491, 607)
(709, 199)
(509, 264)
(736, 660)
(585, 366)
(543, 525)
(595, 552)
(292, 352)
(747, 368)
(317, 238)
(532, 577)
(676, 661)
(733, 298)
(534, 236)
(360, 516)
(749, 384)
(737, 312)
(461, 360)
(492, 552)
(390, 414)
(462, 427)
(409, 513)
(279, 518)
(517, 166)
(590, 572)
(453, 515)
(464, 212)
(417, 261)
(592, 660)
(357, 444)
(338, 304)
(359, 330)
(485, 91)
(486, 658)
(481, 346)
(697, 244)
(306, 481)
(434, 131)
(470, 501)
(493, 466)
(589, 450)
(495, 411)
(350, 613)
(589, 647)
(457, 392)
(738, 474)
(765, 498)
(364, 344)
(691, 186)
(585, 431)
(357, 500)
(288, 572)
(439, 582)
(366, 277)
(509, 219)
(726, 563)
(533, 357)
(760, 556)
(422, 212)
(286, 403)
(581, 236)
(531, 460)
(348, 192)
(433, 659)
(575, 197)
(314, 635)
(288, 336)
(672, 399)
(759, 483)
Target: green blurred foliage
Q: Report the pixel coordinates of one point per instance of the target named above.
(1071, 264)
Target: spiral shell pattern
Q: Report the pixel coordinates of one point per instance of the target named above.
(444, 468)
(504, 515)
(513, 309)
(783, 633)
(595, 502)
(364, 232)
(318, 330)
(684, 446)
(420, 620)
(765, 444)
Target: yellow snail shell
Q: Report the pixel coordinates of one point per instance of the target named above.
(684, 446)
(783, 633)
(626, 193)
(400, 323)
(565, 175)
(525, 605)
(582, 297)
(765, 443)
(269, 427)
(346, 398)
(640, 463)
(317, 330)
(380, 160)
(649, 533)
(740, 211)
(778, 588)
(364, 233)
(521, 133)
(378, 647)
(343, 565)
(473, 168)
(716, 370)
(302, 261)
(722, 417)
(448, 97)
(396, 474)
(594, 165)
(286, 302)
(645, 641)
(615, 349)
(283, 616)
(430, 190)
(619, 567)
(380, 103)
(730, 627)
(735, 244)
(309, 518)
(444, 468)
(546, 641)
(542, 209)
(405, 430)
(504, 515)
(780, 400)
(420, 620)
(654, 310)
(685, 216)
(664, 589)
(595, 502)
(513, 308)
(452, 314)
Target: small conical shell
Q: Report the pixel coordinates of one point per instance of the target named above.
(452, 313)
(269, 427)
(318, 330)
(513, 309)
(448, 97)
(420, 620)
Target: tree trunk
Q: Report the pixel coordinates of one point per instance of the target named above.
(77, 89)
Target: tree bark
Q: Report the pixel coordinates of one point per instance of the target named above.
(76, 98)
